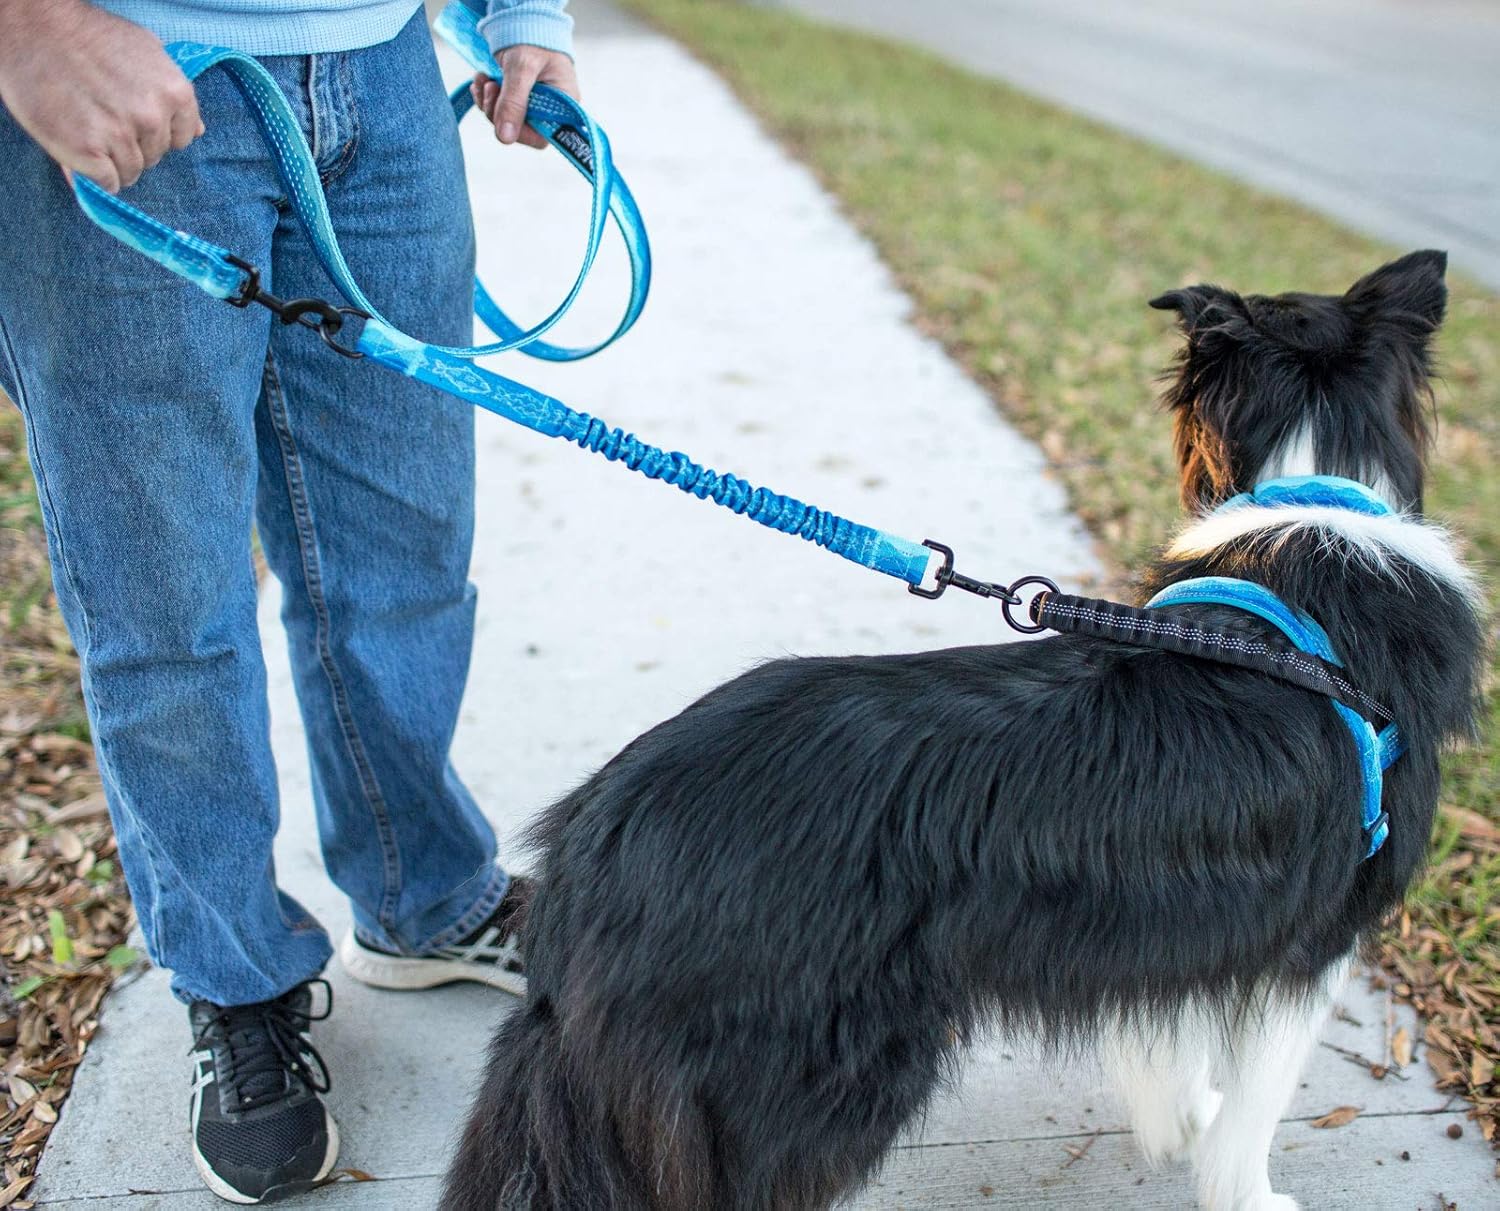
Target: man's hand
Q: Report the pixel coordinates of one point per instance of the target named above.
(97, 92)
(505, 106)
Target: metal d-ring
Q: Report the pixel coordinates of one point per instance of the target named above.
(1015, 599)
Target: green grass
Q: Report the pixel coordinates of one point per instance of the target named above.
(1031, 239)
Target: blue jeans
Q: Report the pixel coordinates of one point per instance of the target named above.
(162, 424)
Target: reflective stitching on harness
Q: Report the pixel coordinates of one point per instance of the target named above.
(1250, 647)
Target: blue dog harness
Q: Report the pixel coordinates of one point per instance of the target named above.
(1313, 664)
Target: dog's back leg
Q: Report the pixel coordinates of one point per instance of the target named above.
(1163, 1074)
(1264, 1058)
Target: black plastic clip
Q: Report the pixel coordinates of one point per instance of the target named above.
(325, 318)
(1009, 595)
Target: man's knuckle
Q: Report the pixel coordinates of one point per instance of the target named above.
(100, 142)
(146, 113)
(180, 95)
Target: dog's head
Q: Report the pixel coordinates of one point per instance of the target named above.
(1307, 384)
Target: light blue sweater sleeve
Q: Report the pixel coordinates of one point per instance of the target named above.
(544, 23)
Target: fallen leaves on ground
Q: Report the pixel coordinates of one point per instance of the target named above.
(1339, 1116)
(1458, 996)
(63, 921)
(1401, 1047)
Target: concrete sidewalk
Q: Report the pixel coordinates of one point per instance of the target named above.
(775, 345)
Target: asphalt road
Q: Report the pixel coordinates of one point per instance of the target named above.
(1382, 113)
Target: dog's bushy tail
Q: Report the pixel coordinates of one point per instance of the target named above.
(522, 1149)
(541, 1137)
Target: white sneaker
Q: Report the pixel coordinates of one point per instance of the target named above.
(491, 954)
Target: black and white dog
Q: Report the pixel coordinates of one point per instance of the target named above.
(764, 932)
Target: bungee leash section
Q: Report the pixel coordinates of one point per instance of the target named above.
(1309, 662)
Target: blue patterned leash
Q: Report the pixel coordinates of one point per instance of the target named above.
(568, 127)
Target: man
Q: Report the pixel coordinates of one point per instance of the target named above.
(162, 424)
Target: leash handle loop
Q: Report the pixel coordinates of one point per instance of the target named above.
(216, 271)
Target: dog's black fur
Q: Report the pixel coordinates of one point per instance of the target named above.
(764, 931)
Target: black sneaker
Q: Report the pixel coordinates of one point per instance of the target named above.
(260, 1130)
(491, 954)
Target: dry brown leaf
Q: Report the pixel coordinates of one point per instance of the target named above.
(1401, 1047)
(351, 1175)
(44, 1111)
(1472, 825)
(87, 808)
(16, 723)
(1481, 1070)
(34, 1132)
(16, 1189)
(54, 742)
(68, 844)
(21, 1091)
(1340, 1116)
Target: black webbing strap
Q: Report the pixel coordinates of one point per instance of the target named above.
(1173, 633)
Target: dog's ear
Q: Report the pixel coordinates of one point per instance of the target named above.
(1196, 306)
(1409, 293)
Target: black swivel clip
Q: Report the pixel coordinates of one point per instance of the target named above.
(1009, 595)
(326, 319)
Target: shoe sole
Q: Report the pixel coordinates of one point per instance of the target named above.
(217, 1185)
(403, 974)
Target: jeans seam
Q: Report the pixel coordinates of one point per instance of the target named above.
(49, 507)
(351, 109)
(496, 886)
(327, 80)
(313, 580)
(341, 165)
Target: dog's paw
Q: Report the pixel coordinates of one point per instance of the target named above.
(1173, 1134)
